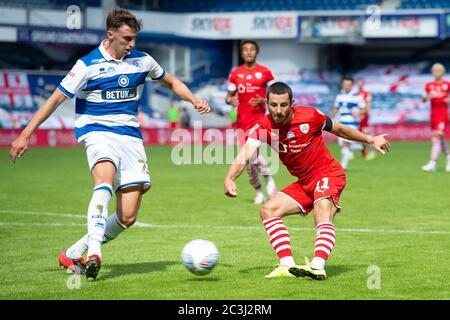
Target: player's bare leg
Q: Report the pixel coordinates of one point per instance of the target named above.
(436, 148)
(127, 207)
(128, 204)
(324, 212)
(271, 214)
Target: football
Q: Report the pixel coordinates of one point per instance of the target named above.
(200, 256)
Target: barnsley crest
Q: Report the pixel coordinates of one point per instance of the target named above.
(304, 127)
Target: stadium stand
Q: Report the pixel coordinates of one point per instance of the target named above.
(248, 5)
(40, 4)
(425, 4)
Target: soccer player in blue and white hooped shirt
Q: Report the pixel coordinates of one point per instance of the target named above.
(108, 84)
(350, 108)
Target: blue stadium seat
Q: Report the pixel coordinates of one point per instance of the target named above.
(425, 4)
(260, 5)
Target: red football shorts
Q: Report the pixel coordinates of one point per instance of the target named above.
(324, 187)
(439, 119)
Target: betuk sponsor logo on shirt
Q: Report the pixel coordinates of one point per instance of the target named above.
(119, 94)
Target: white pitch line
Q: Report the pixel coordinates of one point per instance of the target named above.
(187, 226)
(37, 224)
(49, 214)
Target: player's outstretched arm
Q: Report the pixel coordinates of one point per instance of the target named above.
(182, 91)
(379, 143)
(20, 145)
(237, 167)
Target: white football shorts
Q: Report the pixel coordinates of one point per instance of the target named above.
(125, 152)
(354, 146)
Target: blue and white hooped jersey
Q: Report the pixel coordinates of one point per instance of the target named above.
(108, 91)
(348, 105)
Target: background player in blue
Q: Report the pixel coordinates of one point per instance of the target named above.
(350, 107)
(108, 83)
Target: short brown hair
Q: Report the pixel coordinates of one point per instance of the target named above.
(279, 88)
(253, 42)
(118, 17)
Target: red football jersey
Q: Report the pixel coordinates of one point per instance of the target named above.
(301, 147)
(367, 97)
(438, 92)
(249, 83)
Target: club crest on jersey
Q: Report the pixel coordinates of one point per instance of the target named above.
(444, 86)
(290, 134)
(111, 70)
(258, 75)
(137, 63)
(123, 81)
(304, 128)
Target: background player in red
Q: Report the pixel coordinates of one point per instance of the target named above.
(296, 131)
(367, 152)
(246, 91)
(437, 93)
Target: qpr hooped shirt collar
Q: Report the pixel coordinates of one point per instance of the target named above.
(107, 56)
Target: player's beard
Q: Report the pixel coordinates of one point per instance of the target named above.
(279, 118)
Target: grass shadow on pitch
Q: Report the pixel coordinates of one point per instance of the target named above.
(336, 271)
(201, 279)
(117, 270)
(257, 269)
(332, 271)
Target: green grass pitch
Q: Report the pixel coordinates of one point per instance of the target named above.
(394, 217)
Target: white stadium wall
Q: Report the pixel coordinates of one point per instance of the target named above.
(288, 55)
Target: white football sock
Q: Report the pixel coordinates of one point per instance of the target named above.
(113, 228)
(287, 261)
(346, 155)
(78, 248)
(97, 216)
(317, 263)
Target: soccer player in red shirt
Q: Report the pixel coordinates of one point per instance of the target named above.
(296, 131)
(437, 93)
(364, 122)
(246, 91)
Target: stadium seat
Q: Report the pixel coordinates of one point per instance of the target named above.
(261, 5)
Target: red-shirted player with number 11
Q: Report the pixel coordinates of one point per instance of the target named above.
(296, 131)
